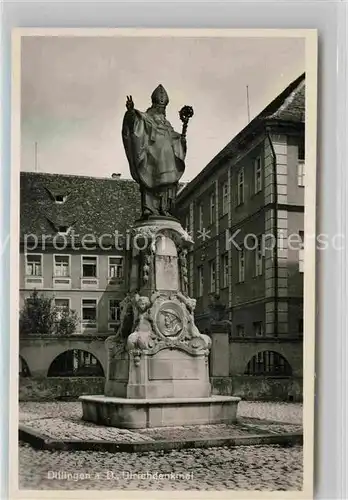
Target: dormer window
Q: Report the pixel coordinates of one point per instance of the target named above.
(58, 194)
(60, 198)
(63, 229)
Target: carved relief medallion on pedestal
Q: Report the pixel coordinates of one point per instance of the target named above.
(169, 319)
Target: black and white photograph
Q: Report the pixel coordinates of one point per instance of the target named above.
(166, 181)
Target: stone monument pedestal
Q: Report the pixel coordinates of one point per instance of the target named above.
(158, 360)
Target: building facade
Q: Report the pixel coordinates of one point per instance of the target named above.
(245, 211)
(74, 234)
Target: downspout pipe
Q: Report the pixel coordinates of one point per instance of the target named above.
(275, 232)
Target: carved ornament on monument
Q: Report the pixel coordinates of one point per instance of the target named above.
(168, 323)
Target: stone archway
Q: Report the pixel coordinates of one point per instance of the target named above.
(23, 367)
(75, 363)
(39, 352)
(268, 363)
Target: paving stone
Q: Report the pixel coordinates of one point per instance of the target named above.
(264, 468)
(61, 428)
(206, 474)
(278, 411)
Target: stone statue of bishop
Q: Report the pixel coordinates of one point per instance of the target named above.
(155, 152)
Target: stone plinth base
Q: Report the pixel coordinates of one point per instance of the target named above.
(169, 373)
(142, 413)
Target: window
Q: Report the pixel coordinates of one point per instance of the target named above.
(240, 197)
(301, 164)
(89, 313)
(301, 150)
(61, 265)
(89, 267)
(268, 363)
(225, 269)
(258, 258)
(187, 223)
(200, 281)
(212, 269)
(62, 305)
(115, 267)
(200, 217)
(33, 271)
(240, 331)
(301, 253)
(60, 198)
(212, 209)
(114, 310)
(63, 229)
(33, 265)
(300, 326)
(241, 265)
(257, 175)
(301, 173)
(258, 328)
(225, 198)
(61, 271)
(75, 363)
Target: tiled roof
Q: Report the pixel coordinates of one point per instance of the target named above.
(93, 205)
(293, 106)
(288, 106)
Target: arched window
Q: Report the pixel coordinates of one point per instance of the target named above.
(23, 368)
(268, 363)
(75, 363)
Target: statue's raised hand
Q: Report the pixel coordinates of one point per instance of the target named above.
(129, 103)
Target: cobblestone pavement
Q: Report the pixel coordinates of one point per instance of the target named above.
(280, 412)
(269, 468)
(67, 428)
(242, 468)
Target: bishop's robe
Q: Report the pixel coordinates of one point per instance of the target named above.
(155, 152)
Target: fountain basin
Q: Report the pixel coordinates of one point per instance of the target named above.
(167, 412)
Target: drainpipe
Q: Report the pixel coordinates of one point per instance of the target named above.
(275, 232)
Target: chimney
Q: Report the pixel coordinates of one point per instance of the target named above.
(115, 176)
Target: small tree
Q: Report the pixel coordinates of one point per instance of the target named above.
(67, 322)
(40, 315)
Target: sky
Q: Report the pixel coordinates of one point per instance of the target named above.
(73, 94)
